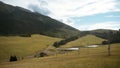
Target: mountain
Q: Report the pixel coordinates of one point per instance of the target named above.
(19, 21)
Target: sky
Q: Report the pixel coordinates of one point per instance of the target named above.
(80, 14)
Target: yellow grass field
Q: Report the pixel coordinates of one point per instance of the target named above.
(23, 46)
(85, 40)
(87, 58)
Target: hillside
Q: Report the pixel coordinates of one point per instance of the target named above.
(88, 58)
(19, 21)
(113, 36)
(103, 33)
(85, 40)
(23, 46)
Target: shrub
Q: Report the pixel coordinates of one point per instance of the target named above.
(42, 54)
(105, 42)
(13, 58)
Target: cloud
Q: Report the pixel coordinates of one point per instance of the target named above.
(68, 21)
(21, 3)
(36, 8)
(66, 9)
(40, 7)
(70, 8)
(112, 16)
(103, 25)
(79, 8)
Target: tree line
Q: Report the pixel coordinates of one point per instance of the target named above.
(63, 42)
(112, 37)
(115, 37)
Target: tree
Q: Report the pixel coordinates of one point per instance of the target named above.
(56, 44)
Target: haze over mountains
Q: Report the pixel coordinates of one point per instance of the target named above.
(16, 21)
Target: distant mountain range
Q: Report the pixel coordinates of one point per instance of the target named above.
(19, 21)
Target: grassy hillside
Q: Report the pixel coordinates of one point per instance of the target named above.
(88, 58)
(23, 46)
(85, 40)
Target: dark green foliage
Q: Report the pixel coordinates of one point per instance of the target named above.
(25, 35)
(115, 37)
(20, 21)
(13, 58)
(42, 54)
(105, 42)
(56, 44)
(62, 42)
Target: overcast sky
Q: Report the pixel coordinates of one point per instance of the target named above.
(81, 14)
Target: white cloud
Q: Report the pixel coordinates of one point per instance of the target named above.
(68, 21)
(21, 3)
(67, 8)
(103, 25)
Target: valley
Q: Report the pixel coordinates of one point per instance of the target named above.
(29, 39)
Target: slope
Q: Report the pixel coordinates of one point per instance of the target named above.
(16, 21)
(23, 46)
(85, 40)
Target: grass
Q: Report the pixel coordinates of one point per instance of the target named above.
(84, 58)
(23, 46)
(85, 40)
(88, 58)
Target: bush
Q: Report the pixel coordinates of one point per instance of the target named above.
(105, 42)
(56, 44)
(42, 54)
(13, 58)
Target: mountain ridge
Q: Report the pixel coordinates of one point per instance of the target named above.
(16, 20)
